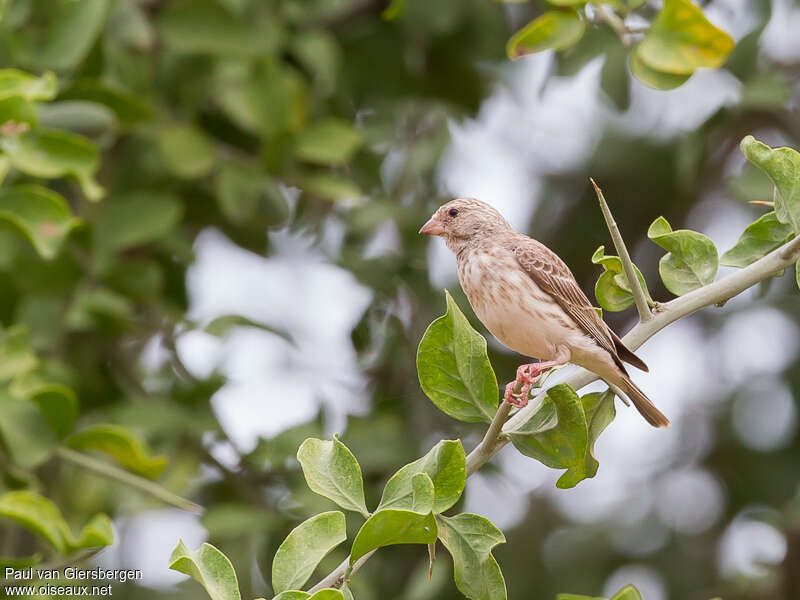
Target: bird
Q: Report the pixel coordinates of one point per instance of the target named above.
(528, 298)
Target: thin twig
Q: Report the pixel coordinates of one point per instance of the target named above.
(639, 297)
(615, 22)
(669, 312)
(476, 458)
(109, 471)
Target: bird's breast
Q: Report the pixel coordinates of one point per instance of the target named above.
(511, 306)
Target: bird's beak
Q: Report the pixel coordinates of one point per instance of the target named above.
(432, 227)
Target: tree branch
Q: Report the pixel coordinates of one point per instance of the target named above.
(685, 305)
(639, 297)
(109, 471)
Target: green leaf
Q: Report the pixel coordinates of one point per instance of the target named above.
(128, 108)
(41, 516)
(89, 119)
(444, 464)
(612, 289)
(136, 218)
(782, 166)
(653, 77)
(51, 154)
(208, 566)
(470, 538)
(17, 110)
(244, 194)
(39, 214)
(629, 592)
(121, 445)
(454, 369)
(332, 187)
(292, 595)
(329, 142)
(759, 238)
(328, 594)
(347, 593)
(69, 34)
(268, 99)
(556, 29)
(221, 326)
(332, 471)
(14, 82)
(188, 152)
(203, 27)
(58, 404)
(320, 53)
(557, 435)
(681, 40)
(599, 410)
(422, 494)
(26, 433)
(691, 260)
(392, 526)
(577, 597)
(16, 356)
(304, 548)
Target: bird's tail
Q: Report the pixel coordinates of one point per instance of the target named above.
(643, 404)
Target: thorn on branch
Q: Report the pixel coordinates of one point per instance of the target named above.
(639, 297)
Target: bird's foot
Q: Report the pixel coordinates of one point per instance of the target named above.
(517, 391)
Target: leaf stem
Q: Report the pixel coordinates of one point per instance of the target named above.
(669, 312)
(639, 297)
(615, 22)
(109, 471)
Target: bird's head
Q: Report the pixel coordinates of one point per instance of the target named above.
(464, 220)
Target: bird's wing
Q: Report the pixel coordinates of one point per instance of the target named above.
(553, 276)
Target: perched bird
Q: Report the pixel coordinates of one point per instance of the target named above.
(529, 299)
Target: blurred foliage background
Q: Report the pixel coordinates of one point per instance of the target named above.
(326, 121)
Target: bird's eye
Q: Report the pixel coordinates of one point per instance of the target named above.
(453, 212)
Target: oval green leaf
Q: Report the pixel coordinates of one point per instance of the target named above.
(612, 289)
(14, 82)
(444, 464)
(304, 547)
(329, 142)
(557, 435)
(556, 29)
(136, 218)
(470, 538)
(328, 594)
(292, 595)
(782, 166)
(40, 215)
(758, 239)
(681, 40)
(26, 434)
(454, 369)
(691, 260)
(393, 526)
(187, 151)
(41, 516)
(209, 567)
(629, 592)
(52, 153)
(121, 445)
(332, 471)
(655, 79)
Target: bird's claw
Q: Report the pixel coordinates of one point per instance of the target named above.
(527, 375)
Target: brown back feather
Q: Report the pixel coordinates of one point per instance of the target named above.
(553, 276)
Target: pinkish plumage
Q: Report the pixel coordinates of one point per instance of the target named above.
(529, 299)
